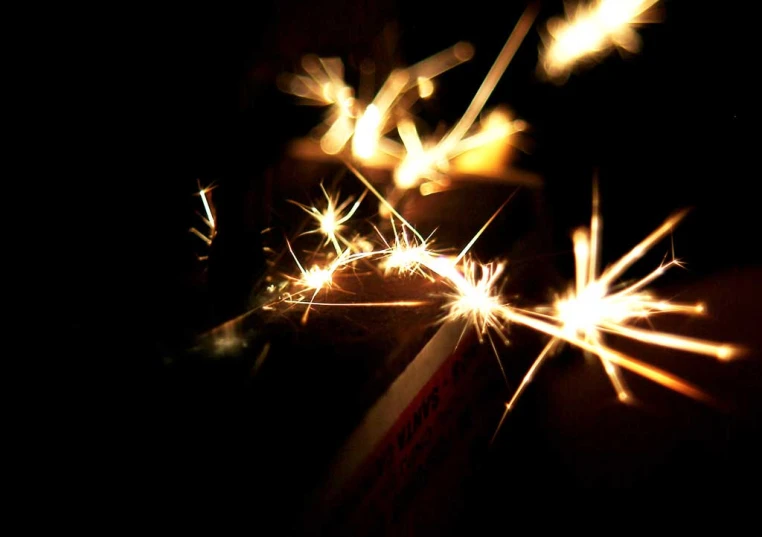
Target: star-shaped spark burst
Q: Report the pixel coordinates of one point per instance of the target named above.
(476, 296)
(332, 219)
(407, 254)
(596, 306)
(317, 278)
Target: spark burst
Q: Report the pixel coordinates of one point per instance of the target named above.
(332, 219)
(356, 132)
(595, 306)
(590, 31)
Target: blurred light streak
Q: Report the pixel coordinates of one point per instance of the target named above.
(591, 30)
(208, 218)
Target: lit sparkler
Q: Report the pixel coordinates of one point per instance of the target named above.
(365, 124)
(592, 29)
(324, 85)
(317, 277)
(596, 306)
(332, 219)
(356, 132)
(406, 255)
(593, 307)
(430, 163)
(417, 163)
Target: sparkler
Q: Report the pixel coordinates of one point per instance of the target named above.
(356, 132)
(590, 30)
(593, 307)
(596, 306)
(317, 278)
(331, 220)
(415, 163)
(209, 220)
(364, 124)
(429, 163)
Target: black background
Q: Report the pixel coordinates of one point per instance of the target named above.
(194, 97)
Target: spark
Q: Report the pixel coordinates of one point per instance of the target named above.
(595, 306)
(476, 297)
(406, 255)
(318, 278)
(209, 218)
(591, 30)
(474, 294)
(331, 220)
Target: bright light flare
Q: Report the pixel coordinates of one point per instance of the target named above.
(323, 85)
(317, 277)
(367, 132)
(482, 152)
(407, 255)
(595, 306)
(591, 30)
(476, 297)
(370, 126)
(331, 220)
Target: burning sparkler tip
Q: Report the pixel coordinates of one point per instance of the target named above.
(728, 352)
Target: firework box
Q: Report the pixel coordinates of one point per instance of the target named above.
(406, 462)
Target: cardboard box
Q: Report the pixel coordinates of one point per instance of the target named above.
(408, 458)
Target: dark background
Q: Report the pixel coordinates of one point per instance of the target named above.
(195, 98)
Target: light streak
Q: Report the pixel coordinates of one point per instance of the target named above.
(393, 304)
(208, 218)
(348, 118)
(590, 31)
(413, 163)
(426, 163)
(494, 75)
(370, 125)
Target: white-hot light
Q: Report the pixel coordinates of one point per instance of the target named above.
(590, 30)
